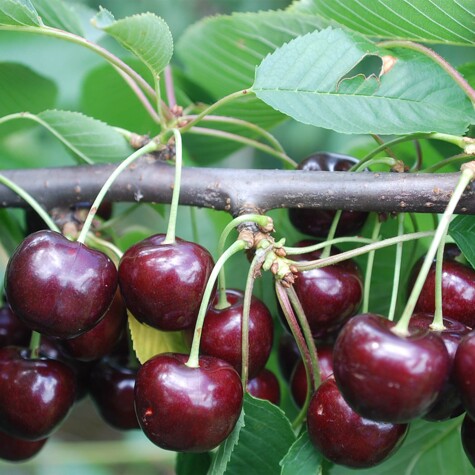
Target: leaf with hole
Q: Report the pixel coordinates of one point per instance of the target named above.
(19, 13)
(314, 80)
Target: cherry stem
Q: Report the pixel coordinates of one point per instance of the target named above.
(438, 321)
(239, 245)
(331, 234)
(35, 342)
(397, 268)
(467, 175)
(109, 248)
(343, 256)
(315, 247)
(31, 201)
(169, 86)
(261, 220)
(158, 105)
(454, 160)
(456, 76)
(149, 147)
(369, 265)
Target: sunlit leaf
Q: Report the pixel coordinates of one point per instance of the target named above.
(18, 12)
(58, 14)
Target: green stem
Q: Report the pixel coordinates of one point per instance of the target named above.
(171, 229)
(397, 268)
(467, 175)
(291, 251)
(213, 107)
(438, 322)
(35, 342)
(331, 234)
(454, 160)
(150, 147)
(246, 141)
(456, 76)
(109, 248)
(31, 201)
(369, 265)
(193, 360)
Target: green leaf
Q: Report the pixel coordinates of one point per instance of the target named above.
(89, 139)
(430, 448)
(146, 35)
(314, 80)
(302, 458)
(18, 12)
(58, 14)
(430, 21)
(192, 464)
(468, 72)
(259, 441)
(462, 230)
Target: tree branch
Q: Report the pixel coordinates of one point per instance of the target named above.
(238, 190)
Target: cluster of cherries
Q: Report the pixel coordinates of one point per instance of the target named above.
(375, 381)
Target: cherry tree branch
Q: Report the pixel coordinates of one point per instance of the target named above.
(241, 190)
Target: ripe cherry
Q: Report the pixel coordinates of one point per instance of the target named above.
(187, 409)
(387, 377)
(463, 373)
(58, 287)
(12, 330)
(287, 355)
(317, 222)
(14, 449)
(265, 386)
(343, 436)
(163, 284)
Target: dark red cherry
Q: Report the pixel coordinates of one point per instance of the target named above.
(343, 436)
(221, 335)
(12, 330)
(317, 222)
(463, 372)
(329, 295)
(35, 394)
(101, 339)
(111, 386)
(163, 284)
(468, 438)
(448, 404)
(298, 380)
(458, 291)
(187, 409)
(387, 377)
(287, 355)
(14, 449)
(265, 386)
(58, 287)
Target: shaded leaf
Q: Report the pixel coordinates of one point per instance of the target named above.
(430, 21)
(308, 80)
(462, 230)
(18, 12)
(192, 464)
(302, 458)
(58, 14)
(468, 72)
(258, 442)
(148, 341)
(146, 35)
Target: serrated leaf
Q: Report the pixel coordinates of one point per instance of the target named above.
(146, 35)
(192, 464)
(148, 341)
(468, 72)
(462, 230)
(430, 448)
(258, 443)
(89, 139)
(18, 12)
(58, 14)
(307, 79)
(302, 458)
(430, 21)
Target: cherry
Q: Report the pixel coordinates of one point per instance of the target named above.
(111, 386)
(458, 291)
(187, 409)
(14, 449)
(35, 394)
(221, 334)
(12, 330)
(387, 377)
(287, 355)
(265, 386)
(163, 284)
(448, 404)
(343, 436)
(468, 438)
(463, 373)
(59, 287)
(298, 380)
(329, 295)
(101, 339)
(317, 222)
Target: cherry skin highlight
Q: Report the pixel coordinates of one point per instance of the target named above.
(163, 284)
(187, 409)
(58, 287)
